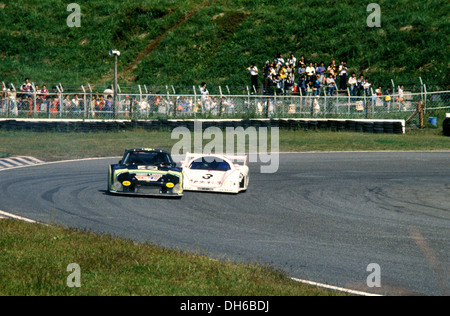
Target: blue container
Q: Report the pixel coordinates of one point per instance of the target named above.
(433, 120)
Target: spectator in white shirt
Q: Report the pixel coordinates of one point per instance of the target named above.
(253, 77)
(292, 61)
(108, 91)
(206, 99)
(310, 70)
(343, 71)
(26, 88)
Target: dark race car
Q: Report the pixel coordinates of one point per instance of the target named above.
(146, 171)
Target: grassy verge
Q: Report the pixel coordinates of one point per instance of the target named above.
(34, 260)
(60, 146)
(413, 140)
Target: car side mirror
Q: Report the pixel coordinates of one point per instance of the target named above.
(120, 162)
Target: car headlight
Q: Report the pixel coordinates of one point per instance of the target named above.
(118, 186)
(177, 189)
(229, 183)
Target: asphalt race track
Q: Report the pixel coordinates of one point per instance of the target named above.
(322, 217)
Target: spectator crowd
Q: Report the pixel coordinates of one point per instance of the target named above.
(287, 76)
(281, 76)
(30, 100)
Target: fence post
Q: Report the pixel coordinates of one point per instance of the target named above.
(336, 103)
(349, 98)
(366, 104)
(62, 97)
(248, 104)
(168, 104)
(421, 88)
(421, 84)
(393, 87)
(84, 101)
(34, 99)
(118, 97)
(90, 100)
(220, 101)
(58, 90)
(420, 110)
(275, 102)
(425, 103)
(4, 95)
(15, 109)
(373, 101)
(301, 99)
(388, 104)
(202, 100)
(140, 93)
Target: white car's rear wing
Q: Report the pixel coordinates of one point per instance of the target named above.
(234, 158)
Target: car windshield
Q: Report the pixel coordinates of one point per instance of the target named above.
(147, 158)
(210, 163)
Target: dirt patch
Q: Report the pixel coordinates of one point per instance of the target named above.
(127, 72)
(229, 22)
(406, 28)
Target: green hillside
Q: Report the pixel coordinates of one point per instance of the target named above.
(183, 43)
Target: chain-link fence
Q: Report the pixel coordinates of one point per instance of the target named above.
(145, 105)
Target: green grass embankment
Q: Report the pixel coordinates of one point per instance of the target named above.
(52, 146)
(34, 260)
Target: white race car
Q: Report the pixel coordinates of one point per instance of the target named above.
(215, 173)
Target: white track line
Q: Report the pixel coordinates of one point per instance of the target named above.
(335, 288)
(9, 215)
